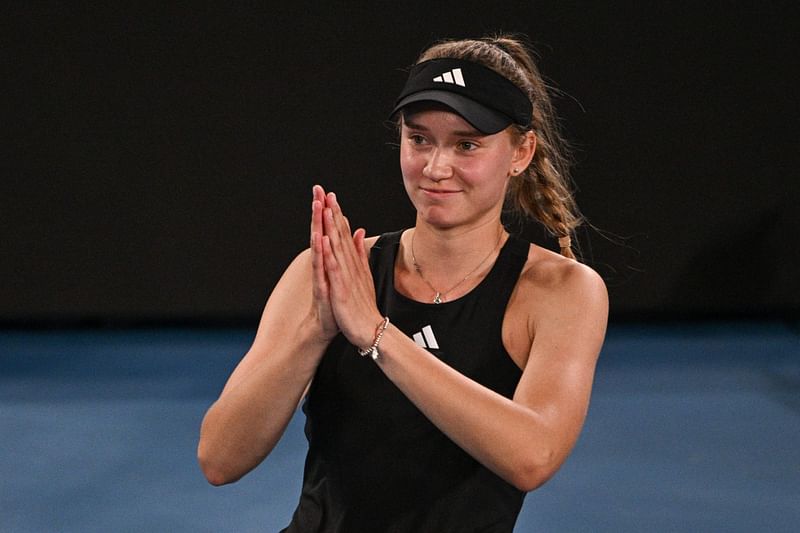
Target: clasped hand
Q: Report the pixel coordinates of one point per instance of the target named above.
(343, 290)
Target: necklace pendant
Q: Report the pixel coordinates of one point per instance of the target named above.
(438, 298)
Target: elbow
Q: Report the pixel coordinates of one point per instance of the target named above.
(535, 470)
(210, 469)
(528, 481)
(213, 469)
(211, 456)
(215, 478)
(213, 475)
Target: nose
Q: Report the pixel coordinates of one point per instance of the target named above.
(438, 167)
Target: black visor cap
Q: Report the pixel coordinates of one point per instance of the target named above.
(484, 98)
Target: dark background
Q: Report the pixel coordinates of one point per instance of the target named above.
(157, 162)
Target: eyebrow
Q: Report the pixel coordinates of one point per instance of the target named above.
(460, 133)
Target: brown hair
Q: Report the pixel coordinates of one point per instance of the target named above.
(543, 190)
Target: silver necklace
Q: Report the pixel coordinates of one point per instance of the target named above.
(439, 295)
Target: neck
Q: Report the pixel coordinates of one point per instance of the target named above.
(445, 254)
(454, 245)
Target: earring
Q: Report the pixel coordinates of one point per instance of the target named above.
(514, 171)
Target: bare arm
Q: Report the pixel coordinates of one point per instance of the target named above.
(526, 439)
(260, 397)
(242, 427)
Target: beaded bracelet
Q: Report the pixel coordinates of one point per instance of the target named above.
(373, 350)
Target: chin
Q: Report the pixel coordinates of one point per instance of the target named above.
(436, 216)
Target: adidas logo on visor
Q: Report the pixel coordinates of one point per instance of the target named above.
(426, 339)
(452, 76)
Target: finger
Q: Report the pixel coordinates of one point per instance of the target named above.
(345, 253)
(317, 203)
(318, 194)
(316, 219)
(333, 203)
(336, 243)
(320, 281)
(337, 208)
(358, 239)
(331, 266)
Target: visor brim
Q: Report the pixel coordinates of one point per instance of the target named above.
(482, 118)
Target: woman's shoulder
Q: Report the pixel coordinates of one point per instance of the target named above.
(554, 296)
(550, 277)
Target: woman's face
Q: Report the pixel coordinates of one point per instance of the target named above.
(454, 174)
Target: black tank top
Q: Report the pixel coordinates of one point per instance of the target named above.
(375, 463)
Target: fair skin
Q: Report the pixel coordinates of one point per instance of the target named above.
(553, 327)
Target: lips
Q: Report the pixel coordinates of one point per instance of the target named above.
(439, 193)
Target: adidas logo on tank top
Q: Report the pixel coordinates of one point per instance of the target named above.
(426, 338)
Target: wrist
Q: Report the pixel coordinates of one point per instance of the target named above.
(315, 330)
(372, 349)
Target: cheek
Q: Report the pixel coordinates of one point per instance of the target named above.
(485, 173)
(410, 166)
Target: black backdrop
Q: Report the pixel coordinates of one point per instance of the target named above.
(158, 161)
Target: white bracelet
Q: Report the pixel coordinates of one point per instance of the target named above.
(373, 350)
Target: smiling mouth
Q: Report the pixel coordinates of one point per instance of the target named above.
(439, 192)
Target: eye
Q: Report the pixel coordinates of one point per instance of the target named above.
(467, 146)
(416, 138)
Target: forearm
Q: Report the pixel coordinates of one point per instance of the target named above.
(243, 426)
(512, 440)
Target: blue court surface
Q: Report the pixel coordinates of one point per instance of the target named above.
(692, 427)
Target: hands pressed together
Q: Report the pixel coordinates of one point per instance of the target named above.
(343, 290)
